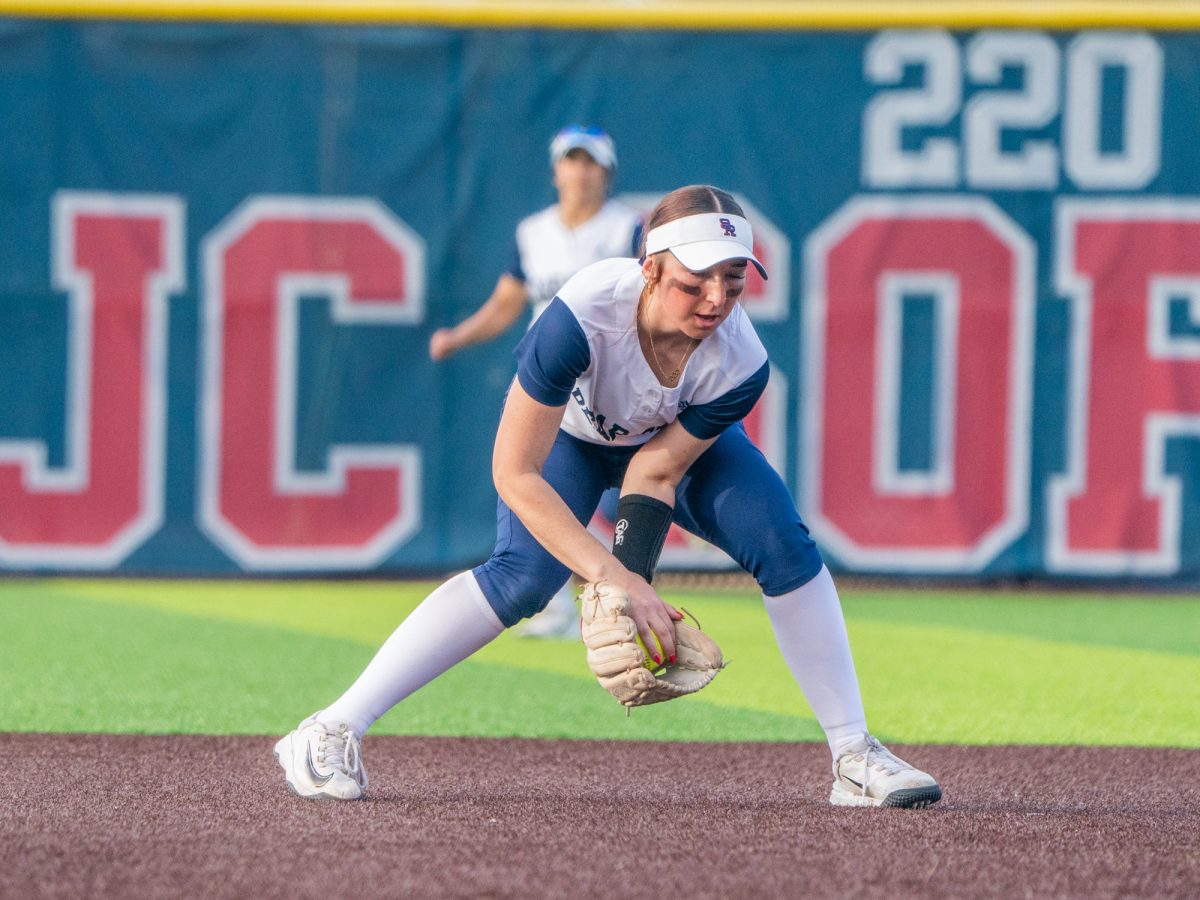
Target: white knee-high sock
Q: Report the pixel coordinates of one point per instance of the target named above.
(811, 633)
(447, 627)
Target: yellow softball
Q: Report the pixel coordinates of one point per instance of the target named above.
(647, 657)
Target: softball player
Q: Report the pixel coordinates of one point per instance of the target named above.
(638, 374)
(584, 226)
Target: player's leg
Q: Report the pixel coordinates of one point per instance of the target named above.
(733, 498)
(321, 758)
(560, 619)
(472, 608)
(521, 576)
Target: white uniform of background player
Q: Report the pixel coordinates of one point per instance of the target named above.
(584, 226)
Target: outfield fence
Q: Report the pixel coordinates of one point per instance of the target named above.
(229, 230)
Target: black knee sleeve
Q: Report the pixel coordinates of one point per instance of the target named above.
(642, 524)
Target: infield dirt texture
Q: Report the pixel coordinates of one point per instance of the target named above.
(180, 816)
(138, 720)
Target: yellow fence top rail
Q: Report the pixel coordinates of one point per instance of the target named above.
(716, 15)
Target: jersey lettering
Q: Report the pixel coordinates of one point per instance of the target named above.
(609, 433)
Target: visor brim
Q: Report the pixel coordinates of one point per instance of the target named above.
(596, 149)
(701, 255)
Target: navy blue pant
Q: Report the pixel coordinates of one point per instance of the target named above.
(730, 497)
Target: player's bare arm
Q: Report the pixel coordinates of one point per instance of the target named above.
(523, 441)
(497, 314)
(655, 471)
(658, 467)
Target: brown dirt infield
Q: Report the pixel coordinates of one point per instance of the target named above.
(175, 816)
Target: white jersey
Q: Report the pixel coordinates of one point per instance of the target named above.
(548, 252)
(589, 348)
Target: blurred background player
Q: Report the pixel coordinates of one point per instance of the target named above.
(583, 227)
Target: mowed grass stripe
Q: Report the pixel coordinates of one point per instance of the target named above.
(1168, 623)
(251, 657)
(83, 666)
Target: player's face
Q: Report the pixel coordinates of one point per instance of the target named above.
(580, 179)
(697, 302)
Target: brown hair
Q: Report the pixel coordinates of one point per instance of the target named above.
(688, 201)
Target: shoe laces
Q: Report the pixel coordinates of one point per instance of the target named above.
(880, 757)
(339, 749)
(875, 758)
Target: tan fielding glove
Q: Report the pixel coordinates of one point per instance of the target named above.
(618, 661)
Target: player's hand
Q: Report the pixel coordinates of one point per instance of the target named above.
(617, 659)
(441, 344)
(653, 617)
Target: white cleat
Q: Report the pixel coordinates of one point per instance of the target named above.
(868, 774)
(559, 621)
(322, 761)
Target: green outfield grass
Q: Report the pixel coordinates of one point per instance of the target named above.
(939, 666)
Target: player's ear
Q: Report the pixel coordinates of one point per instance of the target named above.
(650, 269)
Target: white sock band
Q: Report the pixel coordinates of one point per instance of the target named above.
(447, 627)
(811, 633)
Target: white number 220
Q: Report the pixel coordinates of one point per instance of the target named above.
(983, 161)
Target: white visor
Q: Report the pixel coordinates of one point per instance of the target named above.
(703, 240)
(593, 141)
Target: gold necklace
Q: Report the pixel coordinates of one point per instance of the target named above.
(674, 376)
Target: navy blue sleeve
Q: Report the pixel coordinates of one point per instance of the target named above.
(552, 355)
(636, 249)
(515, 269)
(707, 420)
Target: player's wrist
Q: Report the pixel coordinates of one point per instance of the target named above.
(641, 530)
(614, 572)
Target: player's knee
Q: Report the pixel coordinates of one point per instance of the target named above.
(516, 591)
(784, 561)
